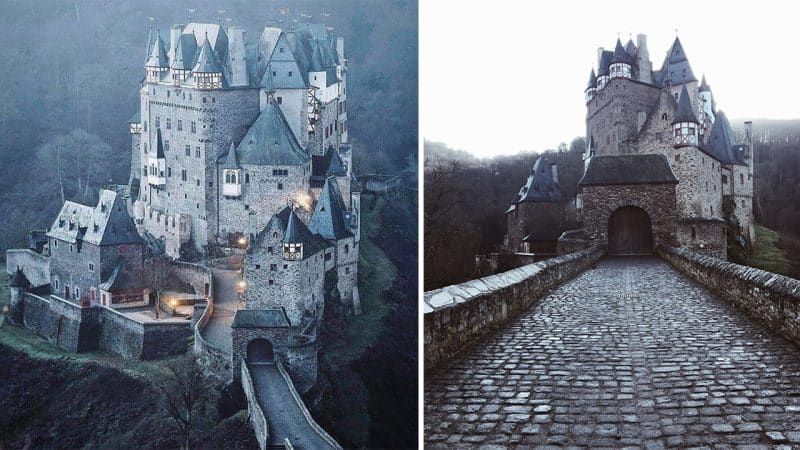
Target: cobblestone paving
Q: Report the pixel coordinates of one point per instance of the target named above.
(629, 354)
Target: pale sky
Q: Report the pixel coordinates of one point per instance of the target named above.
(500, 76)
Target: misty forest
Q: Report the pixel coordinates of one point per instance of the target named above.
(74, 70)
(466, 198)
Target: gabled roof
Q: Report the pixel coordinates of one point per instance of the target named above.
(270, 141)
(230, 159)
(721, 143)
(685, 112)
(628, 169)
(108, 223)
(260, 318)
(620, 55)
(330, 218)
(540, 186)
(207, 61)
(185, 53)
(159, 145)
(212, 32)
(158, 55)
(19, 280)
(284, 68)
(676, 66)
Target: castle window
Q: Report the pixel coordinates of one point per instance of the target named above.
(347, 270)
(286, 266)
(258, 266)
(180, 125)
(280, 49)
(269, 249)
(210, 184)
(169, 172)
(194, 127)
(724, 179)
(145, 147)
(167, 93)
(188, 150)
(290, 73)
(166, 145)
(274, 234)
(659, 136)
(204, 99)
(741, 177)
(273, 267)
(198, 182)
(144, 171)
(346, 249)
(677, 157)
(91, 267)
(213, 100)
(271, 282)
(247, 178)
(274, 74)
(158, 121)
(280, 186)
(169, 123)
(279, 100)
(183, 174)
(71, 248)
(197, 151)
(246, 207)
(55, 283)
(198, 205)
(694, 233)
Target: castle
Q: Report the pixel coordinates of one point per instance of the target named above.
(662, 163)
(235, 142)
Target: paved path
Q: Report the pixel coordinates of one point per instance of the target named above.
(284, 416)
(628, 354)
(226, 302)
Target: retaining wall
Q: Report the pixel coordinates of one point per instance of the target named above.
(200, 278)
(455, 316)
(214, 362)
(768, 297)
(257, 418)
(35, 266)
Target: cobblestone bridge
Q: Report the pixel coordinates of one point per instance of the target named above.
(630, 353)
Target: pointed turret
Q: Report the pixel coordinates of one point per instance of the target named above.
(19, 280)
(685, 125)
(330, 218)
(230, 160)
(620, 62)
(207, 72)
(158, 63)
(159, 145)
(157, 164)
(676, 68)
(591, 88)
(231, 175)
(296, 238)
(707, 107)
(183, 59)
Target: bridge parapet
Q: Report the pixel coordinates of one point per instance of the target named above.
(457, 315)
(768, 297)
(257, 418)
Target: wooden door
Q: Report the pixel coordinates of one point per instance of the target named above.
(630, 232)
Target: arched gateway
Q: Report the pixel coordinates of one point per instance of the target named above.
(259, 351)
(630, 232)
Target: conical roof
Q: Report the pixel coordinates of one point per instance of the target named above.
(605, 61)
(703, 85)
(685, 112)
(721, 143)
(296, 232)
(270, 141)
(630, 48)
(230, 160)
(19, 280)
(336, 167)
(207, 61)
(158, 55)
(592, 80)
(185, 52)
(159, 145)
(676, 68)
(620, 56)
(329, 219)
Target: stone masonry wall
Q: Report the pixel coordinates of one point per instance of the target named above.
(612, 114)
(770, 298)
(658, 200)
(455, 316)
(35, 266)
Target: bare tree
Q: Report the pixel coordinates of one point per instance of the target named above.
(182, 392)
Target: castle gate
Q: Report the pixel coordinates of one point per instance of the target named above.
(259, 351)
(630, 232)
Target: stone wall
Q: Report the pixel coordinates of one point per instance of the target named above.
(658, 200)
(612, 115)
(63, 323)
(493, 263)
(257, 418)
(200, 278)
(35, 266)
(241, 337)
(770, 298)
(456, 316)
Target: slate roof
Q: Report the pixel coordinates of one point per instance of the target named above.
(330, 218)
(592, 80)
(620, 55)
(230, 159)
(299, 233)
(605, 61)
(260, 318)
(540, 186)
(158, 55)
(628, 169)
(118, 278)
(324, 166)
(108, 223)
(214, 33)
(283, 67)
(159, 145)
(676, 66)
(721, 143)
(630, 48)
(19, 280)
(185, 53)
(270, 141)
(685, 112)
(207, 60)
(703, 85)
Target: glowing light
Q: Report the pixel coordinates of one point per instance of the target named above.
(303, 200)
(173, 303)
(242, 241)
(242, 285)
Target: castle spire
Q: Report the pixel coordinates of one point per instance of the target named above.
(703, 85)
(685, 112)
(230, 160)
(158, 54)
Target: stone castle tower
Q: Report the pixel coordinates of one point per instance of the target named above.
(635, 110)
(230, 132)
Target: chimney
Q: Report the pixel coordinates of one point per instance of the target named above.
(645, 66)
(174, 34)
(340, 48)
(236, 56)
(599, 56)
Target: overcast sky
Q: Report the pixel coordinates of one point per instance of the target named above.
(500, 76)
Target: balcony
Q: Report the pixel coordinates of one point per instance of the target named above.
(231, 189)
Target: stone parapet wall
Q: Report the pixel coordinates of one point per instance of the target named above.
(35, 266)
(257, 418)
(768, 297)
(200, 278)
(456, 316)
(493, 263)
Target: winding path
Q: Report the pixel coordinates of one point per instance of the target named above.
(285, 418)
(226, 301)
(630, 353)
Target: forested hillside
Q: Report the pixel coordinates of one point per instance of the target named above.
(73, 71)
(466, 197)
